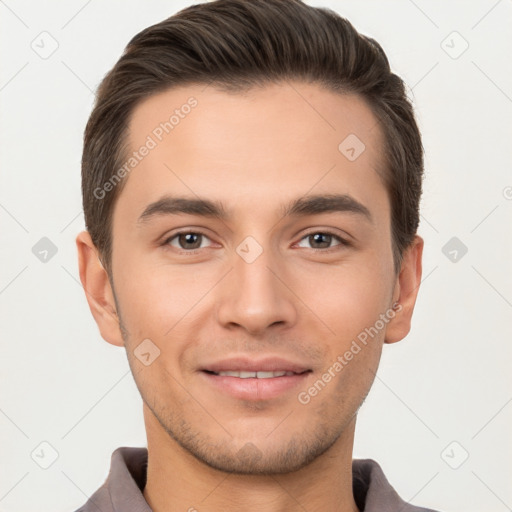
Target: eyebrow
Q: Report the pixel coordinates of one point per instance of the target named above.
(306, 205)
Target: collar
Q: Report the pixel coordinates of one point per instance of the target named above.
(122, 490)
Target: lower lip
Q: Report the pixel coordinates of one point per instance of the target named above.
(253, 388)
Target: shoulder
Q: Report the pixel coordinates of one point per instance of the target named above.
(373, 492)
(122, 488)
(100, 500)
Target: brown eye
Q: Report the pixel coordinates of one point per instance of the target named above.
(322, 240)
(187, 240)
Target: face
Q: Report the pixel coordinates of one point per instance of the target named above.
(253, 270)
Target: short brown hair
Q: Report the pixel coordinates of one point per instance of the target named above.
(238, 44)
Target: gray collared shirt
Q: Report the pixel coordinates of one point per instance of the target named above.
(122, 490)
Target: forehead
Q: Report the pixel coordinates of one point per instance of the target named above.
(244, 149)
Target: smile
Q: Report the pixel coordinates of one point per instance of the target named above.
(254, 375)
(255, 385)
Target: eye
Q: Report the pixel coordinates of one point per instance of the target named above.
(187, 240)
(322, 240)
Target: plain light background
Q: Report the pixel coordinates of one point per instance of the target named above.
(439, 416)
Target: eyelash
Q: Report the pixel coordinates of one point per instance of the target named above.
(342, 242)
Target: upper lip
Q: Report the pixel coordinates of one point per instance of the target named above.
(268, 364)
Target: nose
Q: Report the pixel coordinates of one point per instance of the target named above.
(255, 295)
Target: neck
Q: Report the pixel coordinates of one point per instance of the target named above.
(176, 480)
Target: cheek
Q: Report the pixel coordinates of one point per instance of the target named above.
(159, 302)
(144, 299)
(348, 298)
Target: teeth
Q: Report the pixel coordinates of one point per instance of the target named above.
(230, 374)
(255, 375)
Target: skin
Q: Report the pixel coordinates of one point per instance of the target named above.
(300, 299)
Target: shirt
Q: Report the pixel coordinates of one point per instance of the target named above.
(122, 490)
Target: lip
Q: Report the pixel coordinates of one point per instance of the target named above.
(251, 388)
(254, 389)
(268, 364)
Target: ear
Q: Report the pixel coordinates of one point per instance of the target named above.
(406, 291)
(98, 290)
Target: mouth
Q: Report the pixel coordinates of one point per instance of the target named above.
(247, 379)
(254, 375)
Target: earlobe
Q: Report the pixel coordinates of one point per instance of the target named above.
(98, 290)
(406, 292)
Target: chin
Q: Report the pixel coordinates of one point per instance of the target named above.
(256, 457)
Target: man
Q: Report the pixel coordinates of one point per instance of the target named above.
(251, 179)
